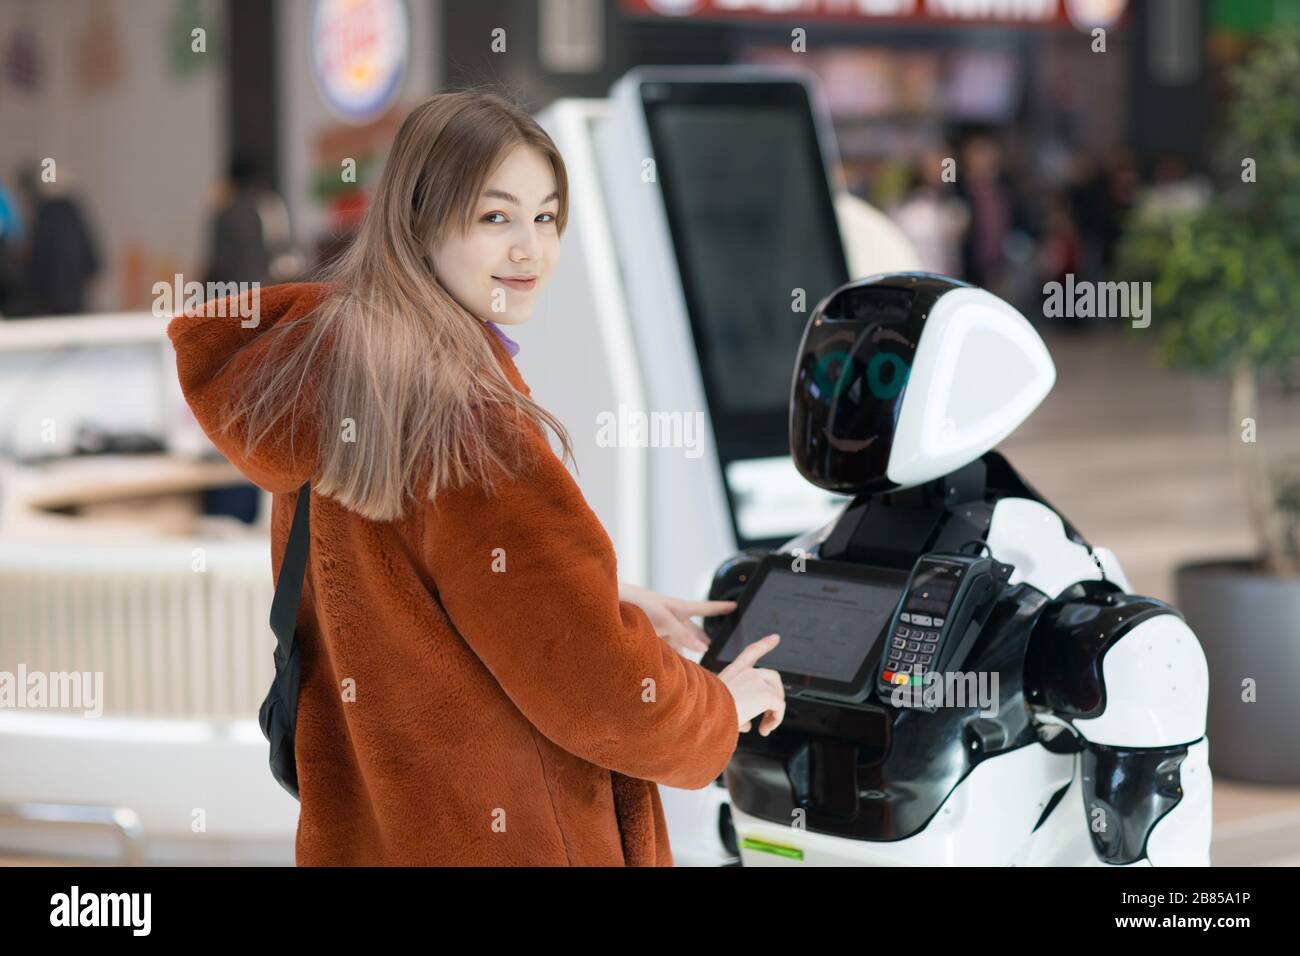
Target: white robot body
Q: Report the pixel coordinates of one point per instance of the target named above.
(1156, 680)
(984, 823)
(1096, 753)
(995, 817)
(988, 819)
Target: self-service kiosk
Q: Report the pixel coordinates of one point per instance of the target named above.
(968, 680)
(705, 222)
(703, 228)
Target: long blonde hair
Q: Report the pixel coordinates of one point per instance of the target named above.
(402, 359)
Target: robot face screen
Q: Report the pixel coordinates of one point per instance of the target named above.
(848, 386)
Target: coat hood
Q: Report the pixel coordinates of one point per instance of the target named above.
(218, 346)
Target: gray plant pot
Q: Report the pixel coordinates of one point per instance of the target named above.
(1249, 625)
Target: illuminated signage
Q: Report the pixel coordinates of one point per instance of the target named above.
(359, 52)
(1081, 14)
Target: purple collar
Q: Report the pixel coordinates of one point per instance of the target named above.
(511, 345)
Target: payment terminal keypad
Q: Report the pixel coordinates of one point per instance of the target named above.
(930, 629)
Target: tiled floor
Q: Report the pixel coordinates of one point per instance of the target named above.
(1139, 459)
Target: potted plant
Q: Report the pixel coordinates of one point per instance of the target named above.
(1225, 300)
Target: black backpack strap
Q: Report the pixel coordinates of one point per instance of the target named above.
(288, 588)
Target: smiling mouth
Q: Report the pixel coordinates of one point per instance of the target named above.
(518, 283)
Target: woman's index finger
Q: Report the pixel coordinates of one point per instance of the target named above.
(707, 608)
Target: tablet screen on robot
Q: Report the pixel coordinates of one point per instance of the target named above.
(829, 615)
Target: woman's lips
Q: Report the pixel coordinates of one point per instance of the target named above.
(521, 284)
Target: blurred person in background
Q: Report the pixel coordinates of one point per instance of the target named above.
(237, 249)
(933, 217)
(995, 214)
(250, 239)
(1102, 194)
(62, 257)
(1172, 190)
(1060, 251)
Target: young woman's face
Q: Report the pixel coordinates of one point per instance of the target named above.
(512, 234)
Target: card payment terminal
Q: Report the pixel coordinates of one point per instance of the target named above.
(946, 601)
(832, 616)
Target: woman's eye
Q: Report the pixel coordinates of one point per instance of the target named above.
(550, 217)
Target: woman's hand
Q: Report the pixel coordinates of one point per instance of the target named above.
(671, 616)
(758, 691)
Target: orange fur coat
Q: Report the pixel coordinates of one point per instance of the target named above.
(499, 718)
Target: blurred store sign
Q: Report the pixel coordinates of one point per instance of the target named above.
(360, 50)
(1079, 14)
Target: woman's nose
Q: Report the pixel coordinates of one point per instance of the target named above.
(527, 246)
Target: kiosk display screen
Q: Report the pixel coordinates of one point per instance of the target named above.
(750, 210)
(828, 624)
(752, 219)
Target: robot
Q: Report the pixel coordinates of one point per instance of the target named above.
(968, 681)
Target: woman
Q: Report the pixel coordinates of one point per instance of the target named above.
(477, 688)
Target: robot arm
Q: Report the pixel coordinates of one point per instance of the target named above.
(1127, 676)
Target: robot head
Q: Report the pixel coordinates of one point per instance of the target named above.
(905, 377)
